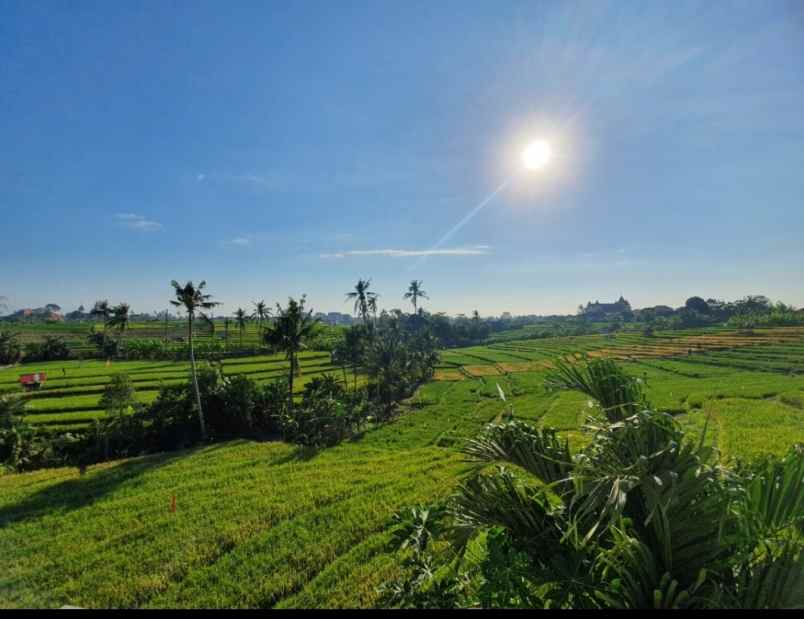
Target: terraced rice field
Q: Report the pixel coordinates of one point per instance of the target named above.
(75, 333)
(270, 525)
(778, 349)
(750, 388)
(69, 399)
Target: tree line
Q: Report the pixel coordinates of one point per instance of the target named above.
(388, 356)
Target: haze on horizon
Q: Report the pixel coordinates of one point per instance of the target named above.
(275, 150)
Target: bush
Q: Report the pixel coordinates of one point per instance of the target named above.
(327, 414)
(51, 349)
(397, 360)
(238, 406)
(106, 346)
(10, 349)
(22, 446)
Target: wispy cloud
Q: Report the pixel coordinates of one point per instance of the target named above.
(241, 241)
(477, 250)
(138, 222)
(267, 181)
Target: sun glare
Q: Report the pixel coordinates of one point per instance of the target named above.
(537, 155)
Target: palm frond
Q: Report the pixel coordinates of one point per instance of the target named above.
(773, 580)
(501, 499)
(539, 451)
(618, 394)
(773, 497)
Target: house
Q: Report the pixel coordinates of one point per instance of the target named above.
(50, 312)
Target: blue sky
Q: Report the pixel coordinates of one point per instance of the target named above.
(275, 149)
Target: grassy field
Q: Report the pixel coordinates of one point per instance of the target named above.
(270, 525)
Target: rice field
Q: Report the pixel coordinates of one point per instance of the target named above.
(70, 397)
(747, 389)
(270, 525)
(778, 349)
(74, 333)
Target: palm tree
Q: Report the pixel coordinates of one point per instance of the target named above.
(415, 293)
(119, 318)
(101, 310)
(226, 322)
(288, 333)
(351, 351)
(209, 322)
(640, 518)
(476, 316)
(193, 300)
(241, 319)
(362, 296)
(261, 312)
(371, 305)
(165, 332)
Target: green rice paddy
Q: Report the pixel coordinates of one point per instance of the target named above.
(272, 525)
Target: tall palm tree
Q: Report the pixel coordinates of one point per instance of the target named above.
(362, 296)
(371, 304)
(241, 319)
(165, 332)
(288, 333)
(119, 318)
(415, 293)
(193, 300)
(261, 312)
(476, 316)
(352, 350)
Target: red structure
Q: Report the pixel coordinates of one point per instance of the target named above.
(33, 381)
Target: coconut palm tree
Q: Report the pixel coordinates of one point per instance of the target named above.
(362, 296)
(101, 310)
(288, 333)
(193, 300)
(351, 351)
(261, 312)
(226, 322)
(241, 320)
(371, 304)
(119, 317)
(476, 316)
(415, 293)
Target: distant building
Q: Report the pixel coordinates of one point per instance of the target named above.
(601, 311)
(662, 310)
(51, 312)
(335, 318)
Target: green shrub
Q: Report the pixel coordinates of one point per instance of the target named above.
(237, 406)
(327, 414)
(51, 349)
(22, 446)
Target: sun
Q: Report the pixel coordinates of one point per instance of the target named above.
(537, 155)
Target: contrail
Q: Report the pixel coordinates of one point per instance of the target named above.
(451, 232)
